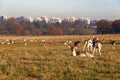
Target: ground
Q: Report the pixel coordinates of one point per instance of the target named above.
(54, 62)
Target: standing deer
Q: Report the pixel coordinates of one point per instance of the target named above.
(113, 43)
(88, 44)
(97, 45)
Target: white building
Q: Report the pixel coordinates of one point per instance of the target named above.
(22, 18)
(70, 19)
(81, 19)
(37, 19)
(29, 19)
(87, 20)
(54, 20)
(45, 18)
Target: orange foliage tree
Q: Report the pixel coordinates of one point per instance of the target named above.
(104, 26)
(39, 32)
(27, 32)
(59, 31)
(116, 26)
(52, 30)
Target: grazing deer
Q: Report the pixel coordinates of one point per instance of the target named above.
(25, 41)
(113, 43)
(43, 42)
(97, 45)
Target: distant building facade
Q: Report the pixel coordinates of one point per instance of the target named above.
(70, 19)
(55, 20)
(37, 19)
(29, 19)
(45, 18)
(82, 19)
(51, 20)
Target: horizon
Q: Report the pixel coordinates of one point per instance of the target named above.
(95, 9)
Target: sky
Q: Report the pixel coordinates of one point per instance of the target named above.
(93, 9)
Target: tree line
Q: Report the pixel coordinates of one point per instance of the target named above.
(38, 28)
(108, 27)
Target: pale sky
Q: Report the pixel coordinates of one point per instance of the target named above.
(93, 9)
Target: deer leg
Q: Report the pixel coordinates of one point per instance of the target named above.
(99, 50)
(93, 50)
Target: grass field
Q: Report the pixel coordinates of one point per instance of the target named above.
(54, 62)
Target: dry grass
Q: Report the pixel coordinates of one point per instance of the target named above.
(53, 61)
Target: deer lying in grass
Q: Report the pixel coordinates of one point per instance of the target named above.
(7, 41)
(97, 45)
(74, 48)
(77, 53)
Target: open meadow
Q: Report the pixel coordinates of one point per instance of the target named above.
(52, 61)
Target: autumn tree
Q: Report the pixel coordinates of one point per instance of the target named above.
(11, 25)
(116, 26)
(80, 23)
(52, 30)
(1, 27)
(38, 24)
(27, 32)
(39, 32)
(19, 29)
(78, 31)
(59, 31)
(104, 26)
